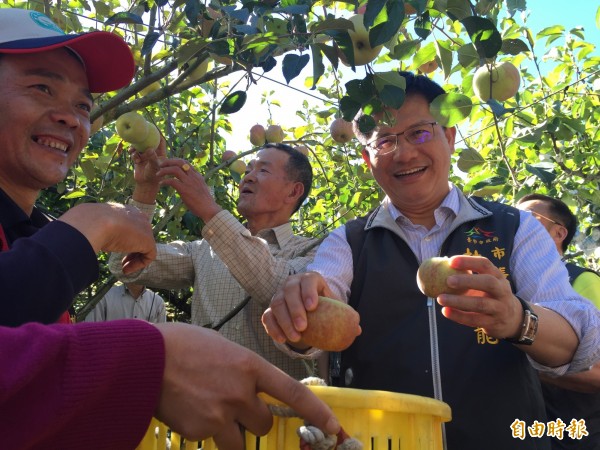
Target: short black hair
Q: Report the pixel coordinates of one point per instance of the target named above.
(298, 168)
(559, 211)
(415, 85)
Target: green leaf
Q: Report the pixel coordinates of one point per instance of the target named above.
(484, 35)
(349, 108)
(468, 159)
(383, 32)
(318, 67)
(293, 65)
(366, 124)
(392, 77)
(544, 175)
(233, 103)
(77, 193)
(392, 96)
(423, 25)
(149, 41)
(458, 9)
(514, 46)
(374, 7)
(450, 109)
(124, 17)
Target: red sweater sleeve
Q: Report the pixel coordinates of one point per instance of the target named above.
(89, 385)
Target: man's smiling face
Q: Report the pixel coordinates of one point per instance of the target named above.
(44, 117)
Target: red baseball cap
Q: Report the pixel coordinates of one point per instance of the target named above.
(107, 58)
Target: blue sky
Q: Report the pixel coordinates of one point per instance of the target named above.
(542, 13)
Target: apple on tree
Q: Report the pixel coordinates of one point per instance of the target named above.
(258, 135)
(227, 155)
(135, 129)
(274, 134)
(238, 166)
(341, 131)
(363, 52)
(499, 82)
(433, 274)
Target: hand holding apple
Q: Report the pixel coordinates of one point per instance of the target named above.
(433, 274)
(135, 129)
(332, 326)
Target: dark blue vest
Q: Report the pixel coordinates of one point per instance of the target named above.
(488, 383)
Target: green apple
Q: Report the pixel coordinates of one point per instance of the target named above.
(363, 52)
(258, 135)
(433, 274)
(135, 129)
(331, 326)
(341, 130)
(150, 88)
(199, 71)
(428, 67)
(274, 134)
(499, 82)
(238, 166)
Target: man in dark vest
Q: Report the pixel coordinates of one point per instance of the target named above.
(575, 396)
(478, 351)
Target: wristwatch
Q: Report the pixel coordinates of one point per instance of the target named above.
(528, 328)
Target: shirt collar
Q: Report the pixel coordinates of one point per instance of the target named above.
(450, 204)
(279, 235)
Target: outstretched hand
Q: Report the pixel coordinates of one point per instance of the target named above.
(211, 384)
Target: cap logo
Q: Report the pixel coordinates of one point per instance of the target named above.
(43, 21)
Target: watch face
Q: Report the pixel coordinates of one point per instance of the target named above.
(530, 328)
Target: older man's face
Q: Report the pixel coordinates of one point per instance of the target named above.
(44, 118)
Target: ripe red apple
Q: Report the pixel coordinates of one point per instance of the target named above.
(227, 155)
(432, 276)
(341, 131)
(258, 135)
(428, 67)
(500, 83)
(363, 52)
(274, 134)
(332, 326)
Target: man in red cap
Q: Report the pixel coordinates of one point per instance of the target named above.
(97, 385)
(46, 80)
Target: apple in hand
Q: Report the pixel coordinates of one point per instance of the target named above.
(363, 52)
(331, 326)
(135, 129)
(432, 276)
(341, 130)
(500, 83)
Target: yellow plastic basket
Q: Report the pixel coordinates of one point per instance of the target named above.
(380, 420)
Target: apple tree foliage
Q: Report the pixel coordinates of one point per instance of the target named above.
(545, 139)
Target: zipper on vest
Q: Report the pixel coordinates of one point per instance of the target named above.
(436, 374)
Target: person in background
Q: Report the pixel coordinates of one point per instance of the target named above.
(97, 385)
(235, 266)
(478, 351)
(575, 396)
(129, 301)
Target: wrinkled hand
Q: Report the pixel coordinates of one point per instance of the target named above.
(210, 388)
(488, 303)
(111, 227)
(191, 186)
(285, 319)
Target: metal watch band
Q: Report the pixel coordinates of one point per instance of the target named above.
(528, 327)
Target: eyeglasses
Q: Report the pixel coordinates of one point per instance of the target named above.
(416, 135)
(539, 216)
